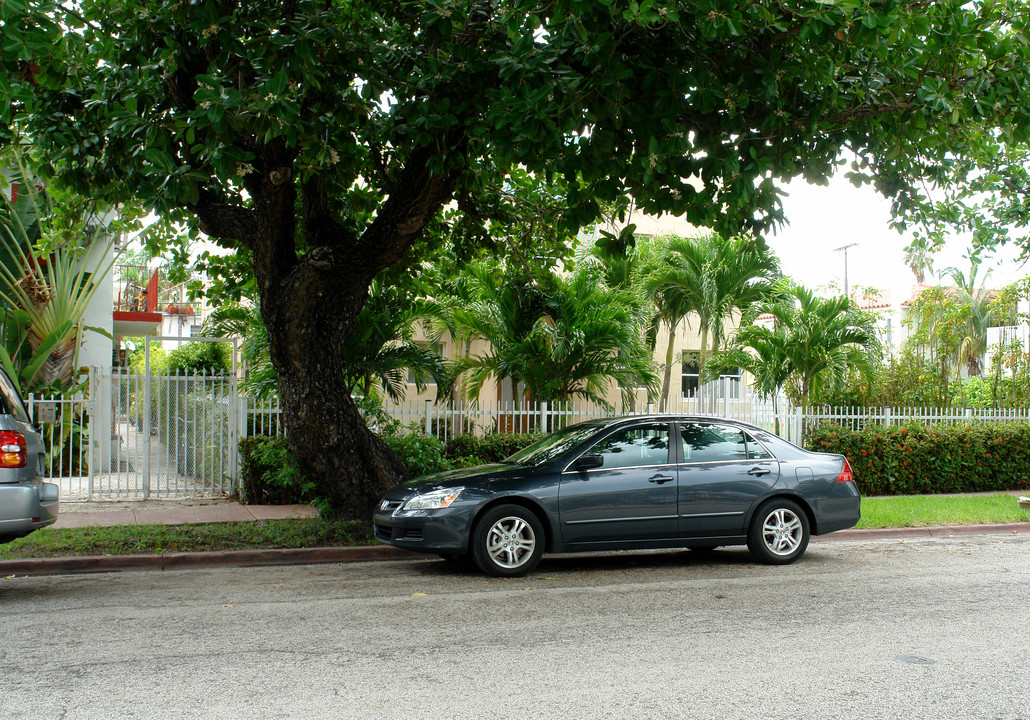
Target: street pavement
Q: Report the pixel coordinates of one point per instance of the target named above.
(903, 627)
(177, 512)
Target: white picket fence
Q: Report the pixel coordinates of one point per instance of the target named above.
(176, 436)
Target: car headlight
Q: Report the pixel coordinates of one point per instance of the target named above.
(434, 500)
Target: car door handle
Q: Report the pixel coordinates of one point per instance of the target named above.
(758, 471)
(659, 479)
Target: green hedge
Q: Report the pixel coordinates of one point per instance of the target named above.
(920, 460)
(269, 475)
(467, 450)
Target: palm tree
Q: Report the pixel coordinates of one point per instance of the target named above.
(951, 323)
(555, 337)
(712, 277)
(384, 351)
(763, 352)
(977, 316)
(811, 349)
(919, 258)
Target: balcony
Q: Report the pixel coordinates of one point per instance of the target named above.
(135, 311)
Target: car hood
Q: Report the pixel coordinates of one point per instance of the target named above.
(476, 475)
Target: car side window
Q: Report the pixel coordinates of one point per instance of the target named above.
(756, 451)
(634, 446)
(703, 442)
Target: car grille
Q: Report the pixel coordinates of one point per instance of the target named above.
(405, 534)
(390, 505)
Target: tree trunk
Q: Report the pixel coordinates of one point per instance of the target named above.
(667, 380)
(702, 359)
(333, 446)
(310, 301)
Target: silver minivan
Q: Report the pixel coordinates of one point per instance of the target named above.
(26, 502)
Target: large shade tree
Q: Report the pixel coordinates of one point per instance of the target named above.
(322, 138)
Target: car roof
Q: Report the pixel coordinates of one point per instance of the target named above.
(667, 417)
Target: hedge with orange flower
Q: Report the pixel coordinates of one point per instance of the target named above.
(921, 460)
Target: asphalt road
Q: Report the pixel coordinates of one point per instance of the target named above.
(933, 628)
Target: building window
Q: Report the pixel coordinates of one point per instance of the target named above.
(690, 379)
(730, 381)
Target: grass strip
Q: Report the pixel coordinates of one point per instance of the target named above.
(930, 510)
(877, 512)
(159, 539)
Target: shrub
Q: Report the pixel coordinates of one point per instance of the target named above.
(269, 475)
(488, 449)
(205, 358)
(138, 359)
(916, 459)
(423, 455)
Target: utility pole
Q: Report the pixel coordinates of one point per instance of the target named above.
(844, 248)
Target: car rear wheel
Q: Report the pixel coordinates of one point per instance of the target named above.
(779, 532)
(508, 541)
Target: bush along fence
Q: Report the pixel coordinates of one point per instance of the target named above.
(270, 475)
(913, 459)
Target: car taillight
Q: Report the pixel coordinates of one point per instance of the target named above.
(13, 449)
(845, 474)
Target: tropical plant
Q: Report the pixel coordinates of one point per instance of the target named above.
(383, 351)
(48, 276)
(713, 277)
(811, 348)
(555, 338)
(950, 323)
(919, 258)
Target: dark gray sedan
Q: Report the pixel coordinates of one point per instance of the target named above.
(627, 483)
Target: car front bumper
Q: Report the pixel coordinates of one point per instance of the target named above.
(25, 507)
(444, 530)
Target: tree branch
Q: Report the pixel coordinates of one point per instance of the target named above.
(224, 221)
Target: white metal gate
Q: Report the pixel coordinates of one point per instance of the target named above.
(137, 436)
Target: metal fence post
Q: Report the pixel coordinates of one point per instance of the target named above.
(146, 417)
(429, 420)
(543, 418)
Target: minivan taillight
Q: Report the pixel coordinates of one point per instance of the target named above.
(13, 449)
(845, 474)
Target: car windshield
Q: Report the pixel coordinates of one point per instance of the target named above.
(551, 446)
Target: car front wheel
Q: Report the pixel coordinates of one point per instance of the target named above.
(779, 532)
(508, 541)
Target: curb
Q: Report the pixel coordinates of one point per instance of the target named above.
(937, 531)
(313, 556)
(188, 560)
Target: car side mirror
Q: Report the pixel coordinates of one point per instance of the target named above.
(588, 462)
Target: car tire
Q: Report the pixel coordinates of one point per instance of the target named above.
(779, 532)
(507, 541)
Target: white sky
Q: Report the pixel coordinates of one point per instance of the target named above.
(824, 218)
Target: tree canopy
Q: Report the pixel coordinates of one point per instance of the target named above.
(322, 140)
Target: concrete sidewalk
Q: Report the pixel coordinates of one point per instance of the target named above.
(172, 512)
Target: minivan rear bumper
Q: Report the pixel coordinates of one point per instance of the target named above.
(27, 506)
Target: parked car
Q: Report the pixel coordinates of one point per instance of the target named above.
(627, 483)
(26, 502)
